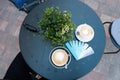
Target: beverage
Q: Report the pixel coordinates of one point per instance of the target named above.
(85, 31)
(59, 57)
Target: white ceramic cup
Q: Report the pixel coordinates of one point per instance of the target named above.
(84, 33)
(60, 57)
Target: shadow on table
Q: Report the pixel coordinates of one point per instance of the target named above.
(19, 70)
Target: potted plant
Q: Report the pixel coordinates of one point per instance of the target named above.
(56, 25)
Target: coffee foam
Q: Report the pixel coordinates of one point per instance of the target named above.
(59, 57)
(86, 31)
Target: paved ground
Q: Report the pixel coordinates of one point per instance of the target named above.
(10, 22)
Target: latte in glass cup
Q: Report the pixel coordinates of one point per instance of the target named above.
(59, 57)
(84, 32)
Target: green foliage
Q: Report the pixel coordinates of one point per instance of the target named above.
(56, 25)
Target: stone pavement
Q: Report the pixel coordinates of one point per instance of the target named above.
(11, 19)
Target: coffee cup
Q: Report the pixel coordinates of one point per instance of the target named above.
(84, 33)
(60, 57)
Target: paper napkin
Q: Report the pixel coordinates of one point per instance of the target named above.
(79, 49)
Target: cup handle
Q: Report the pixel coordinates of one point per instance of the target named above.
(66, 66)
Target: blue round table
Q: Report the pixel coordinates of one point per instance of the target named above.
(36, 51)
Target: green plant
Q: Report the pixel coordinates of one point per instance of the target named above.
(56, 25)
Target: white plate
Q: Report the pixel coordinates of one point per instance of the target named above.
(84, 33)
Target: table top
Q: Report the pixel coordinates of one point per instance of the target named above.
(36, 51)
